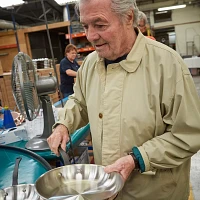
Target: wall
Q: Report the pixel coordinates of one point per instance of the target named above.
(8, 46)
(8, 49)
(40, 48)
(186, 22)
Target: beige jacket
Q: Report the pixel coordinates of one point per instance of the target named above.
(148, 100)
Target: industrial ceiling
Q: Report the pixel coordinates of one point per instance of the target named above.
(31, 13)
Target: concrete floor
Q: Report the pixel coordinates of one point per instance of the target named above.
(195, 165)
(197, 83)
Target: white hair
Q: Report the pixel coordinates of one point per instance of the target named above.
(120, 7)
(142, 16)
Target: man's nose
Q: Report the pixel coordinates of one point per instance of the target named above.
(92, 34)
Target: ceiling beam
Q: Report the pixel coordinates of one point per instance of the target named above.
(21, 15)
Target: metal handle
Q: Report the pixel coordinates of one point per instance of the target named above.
(64, 156)
(2, 194)
(15, 172)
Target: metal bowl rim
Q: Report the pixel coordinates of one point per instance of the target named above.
(68, 166)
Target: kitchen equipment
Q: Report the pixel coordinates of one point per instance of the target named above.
(19, 192)
(78, 181)
(31, 167)
(29, 90)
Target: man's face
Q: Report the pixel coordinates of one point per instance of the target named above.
(104, 29)
(142, 26)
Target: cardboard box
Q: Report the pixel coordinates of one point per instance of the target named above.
(81, 155)
(1, 69)
(12, 135)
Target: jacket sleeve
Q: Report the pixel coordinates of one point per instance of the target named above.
(74, 114)
(181, 138)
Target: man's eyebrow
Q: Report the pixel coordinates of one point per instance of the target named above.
(94, 21)
(98, 20)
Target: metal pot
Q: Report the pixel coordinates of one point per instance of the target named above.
(78, 181)
(18, 192)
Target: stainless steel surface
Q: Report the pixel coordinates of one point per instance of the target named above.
(23, 192)
(79, 181)
(18, 192)
(37, 143)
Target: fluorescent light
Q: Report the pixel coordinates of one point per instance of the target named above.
(172, 7)
(64, 2)
(162, 12)
(8, 3)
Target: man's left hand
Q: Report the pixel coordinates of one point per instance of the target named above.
(124, 166)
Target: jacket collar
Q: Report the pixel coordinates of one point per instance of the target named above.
(131, 63)
(135, 55)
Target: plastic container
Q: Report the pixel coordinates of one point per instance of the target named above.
(8, 121)
(1, 123)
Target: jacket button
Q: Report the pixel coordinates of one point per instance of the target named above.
(100, 115)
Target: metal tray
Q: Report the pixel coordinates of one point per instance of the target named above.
(79, 181)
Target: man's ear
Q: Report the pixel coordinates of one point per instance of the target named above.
(130, 17)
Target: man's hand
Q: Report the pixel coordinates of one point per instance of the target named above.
(59, 137)
(124, 166)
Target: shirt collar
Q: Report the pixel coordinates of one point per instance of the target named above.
(107, 62)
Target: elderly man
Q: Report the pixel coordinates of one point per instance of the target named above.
(141, 103)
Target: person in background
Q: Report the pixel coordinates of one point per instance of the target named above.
(141, 103)
(143, 25)
(68, 70)
(142, 22)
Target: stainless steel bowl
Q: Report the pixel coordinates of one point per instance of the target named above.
(19, 192)
(79, 181)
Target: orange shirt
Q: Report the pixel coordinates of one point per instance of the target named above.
(151, 37)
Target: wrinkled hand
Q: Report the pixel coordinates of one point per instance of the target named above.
(124, 166)
(59, 137)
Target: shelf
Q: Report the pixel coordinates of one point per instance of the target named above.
(75, 35)
(8, 46)
(79, 35)
(86, 49)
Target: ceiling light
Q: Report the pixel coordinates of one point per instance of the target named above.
(64, 2)
(172, 7)
(8, 3)
(162, 12)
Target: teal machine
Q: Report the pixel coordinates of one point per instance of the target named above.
(31, 94)
(76, 138)
(34, 163)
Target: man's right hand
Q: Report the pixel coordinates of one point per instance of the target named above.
(59, 137)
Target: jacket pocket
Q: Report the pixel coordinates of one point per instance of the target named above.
(168, 183)
(160, 186)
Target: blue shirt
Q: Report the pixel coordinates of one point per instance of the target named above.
(67, 82)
